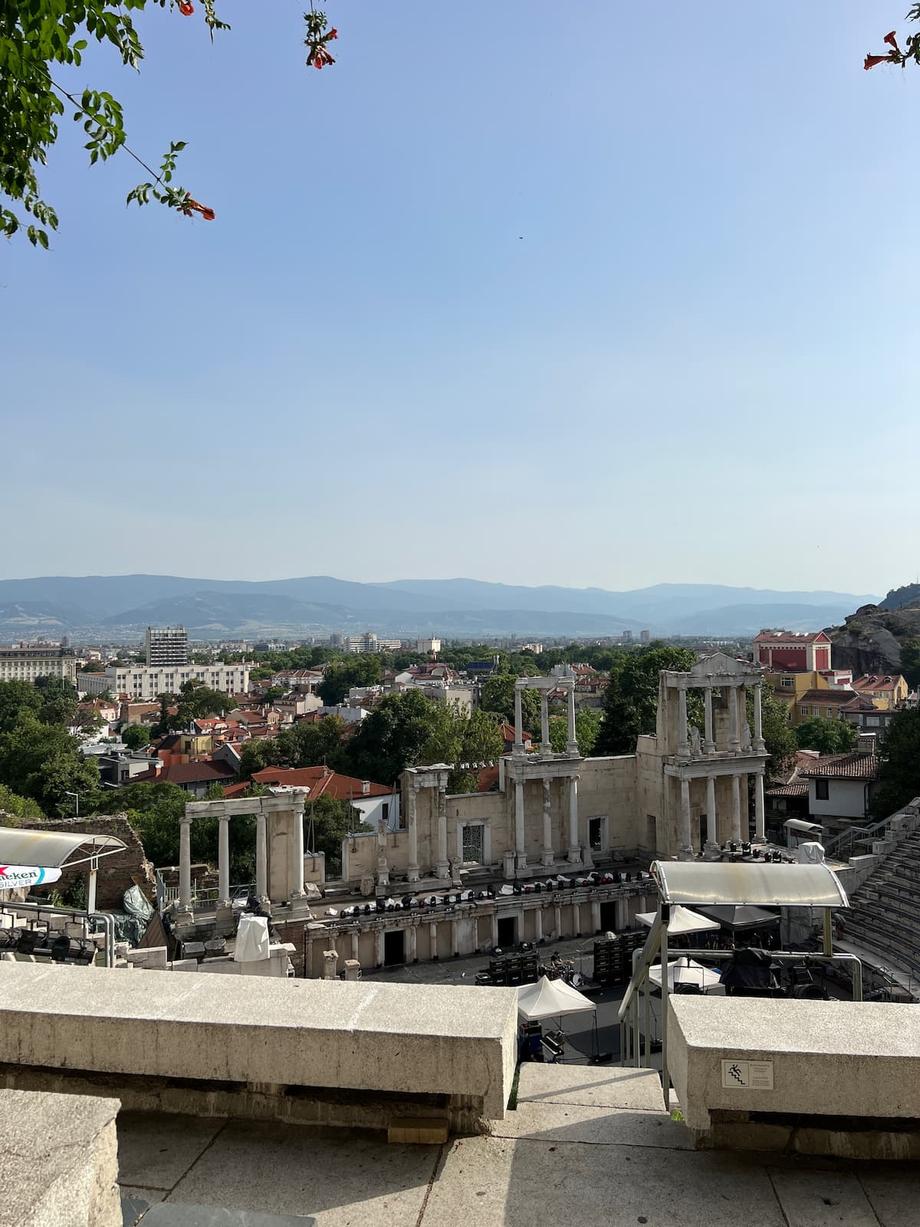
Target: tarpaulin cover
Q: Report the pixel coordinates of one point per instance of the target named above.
(683, 920)
(551, 998)
(252, 939)
(766, 884)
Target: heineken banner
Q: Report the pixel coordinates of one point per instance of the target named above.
(14, 876)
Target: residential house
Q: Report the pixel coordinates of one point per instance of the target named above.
(866, 717)
(792, 652)
(374, 803)
(887, 691)
(840, 786)
(824, 704)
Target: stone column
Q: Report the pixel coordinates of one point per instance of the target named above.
(622, 914)
(709, 743)
(538, 924)
(545, 746)
(223, 861)
(736, 806)
(433, 938)
(518, 723)
(412, 944)
(454, 937)
(412, 825)
(443, 866)
(330, 962)
(683, 730)
(519, 833)
(711, 809)
(494, 929)
(297, 808)
(185, 863)
(574, 846)
(355, 938)
(734, 742)
(381, 947)
(557, 917)
(547, 825)
(686, 840)
(308, 957)
(572, 740)
(759, 816)
(596, 915)
(261, 858)
(759, 744)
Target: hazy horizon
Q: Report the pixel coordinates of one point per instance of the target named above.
(604, 297)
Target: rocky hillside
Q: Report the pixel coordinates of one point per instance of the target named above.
(871, 639)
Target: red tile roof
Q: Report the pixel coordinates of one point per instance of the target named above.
(798, 788)
(791, 637)
(835, 698)
(856, 765)
(321, 782)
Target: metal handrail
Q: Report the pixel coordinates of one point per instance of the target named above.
(108, 921)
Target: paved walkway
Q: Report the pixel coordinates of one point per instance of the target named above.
(584, 1146)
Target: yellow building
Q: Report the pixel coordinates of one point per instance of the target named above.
(887, 691)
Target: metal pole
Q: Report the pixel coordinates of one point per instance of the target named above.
(665, 915)
(91, 884)
(828, 933)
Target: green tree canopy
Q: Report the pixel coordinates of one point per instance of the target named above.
(587, 728)
(826, 736)
(327, 821)
(899, 766)
(311, 744)
(362, 669)
(910, 662)
(631, 700)
(778, 734)
(136, 736)
(43, 761)
(12, 806)
(404, 730)
(498, 695)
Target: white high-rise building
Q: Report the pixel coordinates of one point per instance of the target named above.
(166, 646)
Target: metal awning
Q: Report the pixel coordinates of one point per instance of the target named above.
(799, 824)
(53, 849)
(764, 885)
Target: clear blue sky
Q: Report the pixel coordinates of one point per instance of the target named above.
(618, 299)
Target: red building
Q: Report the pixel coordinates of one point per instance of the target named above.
(788, 652)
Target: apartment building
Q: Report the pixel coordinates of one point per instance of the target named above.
(25, 662)
(166, 646)
(140, 682)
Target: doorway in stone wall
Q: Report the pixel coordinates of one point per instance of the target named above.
(474, 844)
(394, 948)
(507, 931)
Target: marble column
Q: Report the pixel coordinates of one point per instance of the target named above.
(308, 958)
(547, 825)
(686, 840)
(454, 937)
(759, 815)
(736, 806)
(518, 723)
(574, 845)
(572, 740)
(545, 745)
(734, 742)
(355, 940)
(443, 866)
(433, 938)
(412, 827)
(494, 919)
(185, 863)
(709, 743)
(297, 890)
(223, 861)
(381, 947)
(683, 730)
(759, 744)
(596, 915)
(412, 942)
(557, 916)
(622, 915)
(261, 858)
(538, 924)
(519, 832)
(713, 821)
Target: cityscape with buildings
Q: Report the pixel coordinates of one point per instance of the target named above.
(459, 740)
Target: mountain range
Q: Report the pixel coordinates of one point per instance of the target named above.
(120, 606)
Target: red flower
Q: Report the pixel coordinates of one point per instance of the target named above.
(892, 41)
(186, 8)
(872, 60)
(206, 213)
(333, 33)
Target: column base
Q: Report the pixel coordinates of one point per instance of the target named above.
(573, 856)
(520, 862)
(686, 854)
(549, 858)
(413, 874)
(709, 747)
(571, 748)
(442, 871)
(508, 867)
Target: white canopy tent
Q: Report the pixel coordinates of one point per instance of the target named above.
(683, 920)
(686, 971)
(551, 999)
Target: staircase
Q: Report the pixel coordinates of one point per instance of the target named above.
(884, 918)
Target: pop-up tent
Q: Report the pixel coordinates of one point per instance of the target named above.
(686, 971)
(683, 920)
(551, 999)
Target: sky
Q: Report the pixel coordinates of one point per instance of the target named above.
(590, 294)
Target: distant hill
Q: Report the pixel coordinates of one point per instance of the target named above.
(125, 604)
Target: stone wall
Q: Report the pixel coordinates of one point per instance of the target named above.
(117, 872)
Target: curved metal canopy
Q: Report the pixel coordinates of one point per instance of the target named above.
(764, 885)
(53, 849)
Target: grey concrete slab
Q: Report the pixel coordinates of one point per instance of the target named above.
(593, 1085)
(136, 1192)
(342, 1179)
(521, 1182)
(893, 1191)
(564, 1122)
(156, 1150)
(818, 1198)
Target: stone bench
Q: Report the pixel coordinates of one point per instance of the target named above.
(317, 1051)
(827, 1077)
(58, 1161)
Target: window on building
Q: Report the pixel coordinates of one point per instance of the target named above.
(385, 811)
(822, 790)
(788, 682)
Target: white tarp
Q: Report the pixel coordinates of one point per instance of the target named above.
(550, 999)
(763, 884)
(686, 971)
(12, 877)
(683, 920)
(252, 939)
